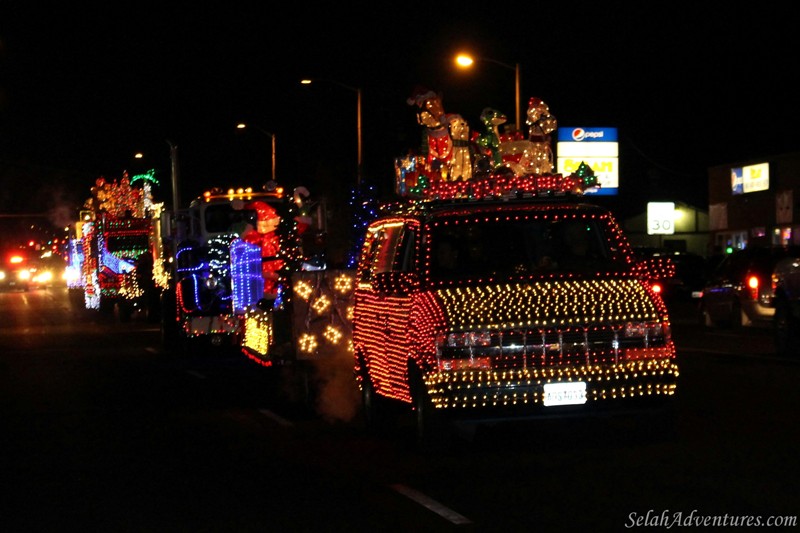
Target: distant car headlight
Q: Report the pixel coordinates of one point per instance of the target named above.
(2, 274)
(43, 277)
(24, 274)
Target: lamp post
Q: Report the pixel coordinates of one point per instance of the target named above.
(466, 61)
(357, 90)
(242, 126)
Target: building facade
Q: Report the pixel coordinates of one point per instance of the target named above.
(753, 202)
(687, 230)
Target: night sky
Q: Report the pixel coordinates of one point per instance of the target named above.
(82, 89)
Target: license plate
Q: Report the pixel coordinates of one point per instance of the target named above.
(570, 393)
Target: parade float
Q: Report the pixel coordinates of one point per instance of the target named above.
(233, 254)
(494, 291)
(110, 262)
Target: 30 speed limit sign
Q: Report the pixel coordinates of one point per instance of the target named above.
(660, 218)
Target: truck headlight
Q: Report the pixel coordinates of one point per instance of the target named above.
(211, 283)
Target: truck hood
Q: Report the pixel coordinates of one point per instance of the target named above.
(552, 303)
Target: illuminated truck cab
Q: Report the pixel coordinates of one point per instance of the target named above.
(218, 267)
(516, 307)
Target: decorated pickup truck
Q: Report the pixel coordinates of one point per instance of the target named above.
(495, 291)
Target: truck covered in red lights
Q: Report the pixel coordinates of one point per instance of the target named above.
(109, 256)
(505, 295)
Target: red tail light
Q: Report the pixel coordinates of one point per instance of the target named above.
(752, 284)
(657, 288)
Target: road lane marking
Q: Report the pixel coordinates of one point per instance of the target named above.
(280, 420)
(431, 504)
(196, 374)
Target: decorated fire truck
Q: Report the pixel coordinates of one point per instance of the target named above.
(232, 254)
(109, 258)
(495, 291)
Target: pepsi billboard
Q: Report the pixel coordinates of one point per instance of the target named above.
(597, 147)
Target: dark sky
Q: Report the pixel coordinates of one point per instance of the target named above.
(82, 89)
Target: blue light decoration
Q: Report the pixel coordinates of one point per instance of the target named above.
(75, 264)
(116, 264)
(364, 206)
(247, 282)
(195, 292)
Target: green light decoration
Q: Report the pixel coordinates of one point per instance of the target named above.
(586, 175)
(149, 175)
(422, 184)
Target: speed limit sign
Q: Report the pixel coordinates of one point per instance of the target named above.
(660, 218)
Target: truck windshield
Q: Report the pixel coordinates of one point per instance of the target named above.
(127, 243)
(515, 246)
(223, 218)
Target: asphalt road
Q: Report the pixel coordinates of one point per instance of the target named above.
(103, 431)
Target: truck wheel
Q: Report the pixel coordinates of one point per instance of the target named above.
(368, 407)
(170, 334)
(125, 310)
(704, 317)
(106, 307)
(431, 431)
(787, 338)
(738, 317)
(379, 418)
(153, 306)
(76, 298)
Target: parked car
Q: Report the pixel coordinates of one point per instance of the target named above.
(740, 291)
(691, 273)
(786, 322)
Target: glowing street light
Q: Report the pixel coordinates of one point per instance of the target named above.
(242, 126)
(358, 119)
(466, 61)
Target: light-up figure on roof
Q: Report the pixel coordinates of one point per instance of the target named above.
(437, 144)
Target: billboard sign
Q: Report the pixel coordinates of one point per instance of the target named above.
(597, 147)
(751, 178)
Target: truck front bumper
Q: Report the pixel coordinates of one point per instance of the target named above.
(196, 326)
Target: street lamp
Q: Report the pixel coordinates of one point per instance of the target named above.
(466, 61)
(175, 175)
(242, 126)
(357, 90)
